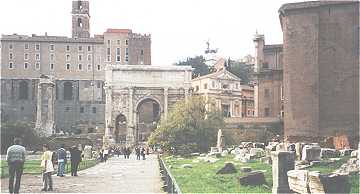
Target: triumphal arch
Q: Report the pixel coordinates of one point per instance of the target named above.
(137, 96)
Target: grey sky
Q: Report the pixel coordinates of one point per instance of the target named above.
(179, 28)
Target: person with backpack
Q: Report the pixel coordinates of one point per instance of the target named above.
(61, 155)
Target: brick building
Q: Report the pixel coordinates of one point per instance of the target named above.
(74, 68)
(321, 68)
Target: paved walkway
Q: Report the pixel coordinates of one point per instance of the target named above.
(117, 175)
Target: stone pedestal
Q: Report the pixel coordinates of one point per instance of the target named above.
(282, 162)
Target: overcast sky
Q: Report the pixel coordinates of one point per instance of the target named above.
(179, 28)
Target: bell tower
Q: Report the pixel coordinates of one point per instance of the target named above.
(80, 19)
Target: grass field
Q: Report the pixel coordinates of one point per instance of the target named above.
(33, 167)
(202, 177)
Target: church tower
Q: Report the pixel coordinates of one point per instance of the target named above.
(80, 19)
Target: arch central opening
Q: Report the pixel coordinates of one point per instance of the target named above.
(120, 129)
(148, 115)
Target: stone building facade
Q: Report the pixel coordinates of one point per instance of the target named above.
(268, 79)
(155, 88)
(321, 68)
(74, 66)
(227, 94)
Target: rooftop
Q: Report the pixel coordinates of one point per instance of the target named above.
(46, 38)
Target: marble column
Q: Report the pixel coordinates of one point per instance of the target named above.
(38, 124)
(108, 136)
(130, 138)
(166, 94)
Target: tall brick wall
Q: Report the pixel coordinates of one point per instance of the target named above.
(320, 69)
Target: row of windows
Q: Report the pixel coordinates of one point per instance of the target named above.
(52, 57)
(82, 109)
(118, 54)
(118, 42)
(52, 66)
(224, 86)
(51, 47)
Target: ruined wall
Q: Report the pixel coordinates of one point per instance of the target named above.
(320, 68)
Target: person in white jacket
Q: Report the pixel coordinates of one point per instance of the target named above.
(47, 168)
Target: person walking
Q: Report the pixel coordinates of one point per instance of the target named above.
(15, 157)
(143, 153)
(101, 155)
(61, 155)
(75, 160)
(128, 152)
(47, 168)
(106, 154)
(137, 151)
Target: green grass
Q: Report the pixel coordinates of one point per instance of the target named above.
(202, 177)
(33, 167)
(331, 167)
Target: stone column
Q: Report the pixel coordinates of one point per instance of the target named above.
(130, 139)
(50, 117)
(282, 162)
(108, 136)
(38, 124)
(166, 93)
(186, 93)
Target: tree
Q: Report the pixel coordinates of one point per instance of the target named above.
(190, 127)
(242, 70)
(199, 65)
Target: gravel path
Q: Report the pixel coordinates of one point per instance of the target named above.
(117, 175)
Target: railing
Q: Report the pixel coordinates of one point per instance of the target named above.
(170, 185)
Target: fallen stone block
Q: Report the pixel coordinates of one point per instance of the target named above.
(229, 168)
(311, 153)
(186, 166)
(346, 152)
(328, 183)
(298, 180)
(329, 153)
(354, 154)
(252, 178)
(195, 154)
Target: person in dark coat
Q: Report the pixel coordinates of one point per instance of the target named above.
(101, 156)
(75, 160)
(137, 151)
(142, 152)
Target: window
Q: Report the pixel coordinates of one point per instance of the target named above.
(67, 48)
(89, 57)
(10, 47)
(118, 41)
(81, 109)
(237, 86)
(126, 54)
(52, 57)
(196, 88)
(98, 67)
(126, 42)
(89, 67)
(37, 47)
(108, 58)
(26, 56)
(51, 66)
(68, 58)
(68, 66)
(26, 46)
(94, 110)
(267, 112)
(98, 84)
(142, 52)
(225, 86)
(205, 86)
(108, 41)
(80, 48)
(68, 91)
(11, 65)
(52, 47)
(108, 51)
(118, 54)
(11, 56)
(89, 48)
(26, 65)
(80, 67)
(265, 65)
(37, 56)
(67, 109)
(80, 57)
(80, 24)
(23, 90)
(37, 65)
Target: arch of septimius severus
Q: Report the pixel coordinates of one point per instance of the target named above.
(128, 88)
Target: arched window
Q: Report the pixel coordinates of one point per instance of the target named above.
(23, 90)
(68, 91)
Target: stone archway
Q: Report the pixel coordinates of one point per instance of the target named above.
(120, 129)
(148, 113)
